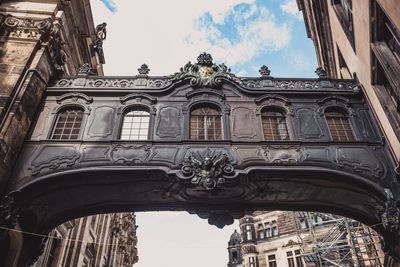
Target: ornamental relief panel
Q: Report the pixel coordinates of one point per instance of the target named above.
(243, 123)
(283, 154)
(102, 123)
(307, 123)
(169, 120)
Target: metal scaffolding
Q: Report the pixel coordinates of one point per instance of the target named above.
(330, 240)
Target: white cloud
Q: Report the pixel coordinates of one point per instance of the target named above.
(255, 36)
(241, 73)
(292, 9)
(166, 34)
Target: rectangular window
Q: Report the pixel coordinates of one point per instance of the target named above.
(303, 224)
(274, 231)
(344, 13)
(248, 236)
(299, 262)
(268, 232)
(386, 64)
(248, 227)
(271, 261)
(261, 234)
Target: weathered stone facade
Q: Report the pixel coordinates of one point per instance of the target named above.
(101, 240)
(351, 40)
(285, 238)
(39, 41)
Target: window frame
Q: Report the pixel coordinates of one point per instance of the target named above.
(282, 104)
(206, 98)
(346, 21)
(284, 116)
(62, 109)
(126, 109)
(205, 129)
(384, 70)
(346, 115)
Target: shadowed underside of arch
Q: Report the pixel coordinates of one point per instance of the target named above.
(57, 197)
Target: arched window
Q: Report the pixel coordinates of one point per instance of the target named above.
(135, 125)
(68, 124)
(205, 124)
(274, 125)
(339, 125)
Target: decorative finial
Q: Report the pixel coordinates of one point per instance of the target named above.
(264, 71)
(144, 69)
(85, 69)
(320, 72)
(205, 59)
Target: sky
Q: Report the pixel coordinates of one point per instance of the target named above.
(166, 34)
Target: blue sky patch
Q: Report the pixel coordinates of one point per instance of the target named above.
(110, 4)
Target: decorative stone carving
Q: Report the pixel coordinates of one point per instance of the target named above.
(243, 123)
(207, 170)
(53, 157)
(264, 71)
(320, 72)
(204, 73)
(86, 69)
(248, 155)
(169, 122)
(219, 218)
(164, 154)
(359, 160)
(102, 124)
(390, 222)
(101, 35)
(139, 97)
(283, 154)
(144, 69)
(391, 216)
(129, 154)
(74, 97)
(307, 123)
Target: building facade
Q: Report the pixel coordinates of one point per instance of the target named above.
(101, 240)
(306, 239)
(361, 40)
(201, 140)
(40, 41)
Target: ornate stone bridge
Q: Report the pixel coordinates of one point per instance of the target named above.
(272, 143)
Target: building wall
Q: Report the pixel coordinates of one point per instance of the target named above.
(293, 243)
(269, 248)
(39, 41)
(101, 240)
(358, 57)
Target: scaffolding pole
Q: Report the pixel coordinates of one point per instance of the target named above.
(329, 240)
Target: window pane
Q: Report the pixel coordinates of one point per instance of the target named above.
(135, 125)
(339, 126)
(205, 124)
(274, 125)
(68, 124)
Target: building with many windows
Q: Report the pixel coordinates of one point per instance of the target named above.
(303, 239)
(361, 40)
(101, 240)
